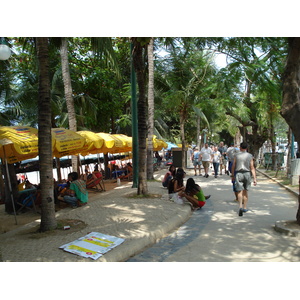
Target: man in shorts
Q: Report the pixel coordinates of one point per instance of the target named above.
(242, 168)
(196, 161)
(206, 155)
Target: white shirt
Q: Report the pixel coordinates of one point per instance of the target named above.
(206, 153)
(217, 156)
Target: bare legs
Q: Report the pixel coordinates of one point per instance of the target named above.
(242, 197)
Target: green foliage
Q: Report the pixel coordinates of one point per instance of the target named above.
(186, 82)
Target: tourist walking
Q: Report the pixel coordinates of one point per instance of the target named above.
(216, 160)
(223, 161)
(206, 155)
(242, 169)
(196, 161)
(231, 152)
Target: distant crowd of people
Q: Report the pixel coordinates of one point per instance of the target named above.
(232, 160)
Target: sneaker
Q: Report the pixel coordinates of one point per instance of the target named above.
(200, 175)
(245, 210)
(207, 197)
(240, 212)
(207, 176)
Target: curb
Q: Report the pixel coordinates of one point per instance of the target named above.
(272, 178)
(283, 227)
(133, 247)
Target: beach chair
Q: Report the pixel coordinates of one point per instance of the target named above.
(95, 182)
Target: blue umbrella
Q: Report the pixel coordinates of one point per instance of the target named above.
(171, 145)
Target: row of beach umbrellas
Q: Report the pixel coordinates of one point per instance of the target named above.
(19, 143)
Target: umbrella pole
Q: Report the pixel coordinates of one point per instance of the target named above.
(9, 186)
(80, 165)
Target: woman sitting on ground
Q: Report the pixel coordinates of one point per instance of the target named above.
(176, 184)
(169, 175)
(194, 194)
(77, 192)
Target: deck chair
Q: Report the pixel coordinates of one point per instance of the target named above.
(27, 199)
(96, 182)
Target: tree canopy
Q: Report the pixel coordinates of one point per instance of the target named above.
(243, 96)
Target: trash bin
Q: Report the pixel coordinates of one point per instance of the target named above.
(177, 157)
(279, 159)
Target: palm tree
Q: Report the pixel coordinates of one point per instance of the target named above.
(48, 221)
(150, 110)
(185, 79)
(139, 66)
(68, 92)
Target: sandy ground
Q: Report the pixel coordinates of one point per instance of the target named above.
(8, 222)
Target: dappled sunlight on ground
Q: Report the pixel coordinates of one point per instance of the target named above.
(216, 232)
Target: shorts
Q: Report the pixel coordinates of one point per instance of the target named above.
(197, 162)
(201, 203)
(242, 181)
(205, 164)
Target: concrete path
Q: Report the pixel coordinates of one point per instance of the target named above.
(217, 234)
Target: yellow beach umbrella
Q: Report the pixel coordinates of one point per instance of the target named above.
(18, 143)
(66, 142)
(111, 143)
(158, 144)
(93, 142)
(126, 141)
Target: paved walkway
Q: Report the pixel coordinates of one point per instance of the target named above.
(141, 222)
(217, 234)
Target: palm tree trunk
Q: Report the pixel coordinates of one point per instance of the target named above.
(48, 221)
(150, 111)
(182, 133)
(68, 93)
(139, 67)
(198, 132)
